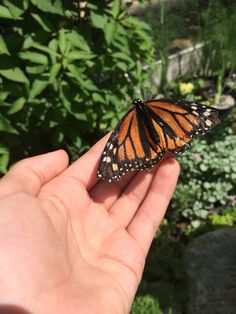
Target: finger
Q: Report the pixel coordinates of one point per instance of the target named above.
(131, 198)
(150, 214)
(106, 193)
(85, 168)
(29, 174)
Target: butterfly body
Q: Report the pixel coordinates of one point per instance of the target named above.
(149, 130)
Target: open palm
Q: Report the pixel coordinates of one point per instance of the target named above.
(70, 243)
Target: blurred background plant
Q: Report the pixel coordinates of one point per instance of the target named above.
(65, 71)
(66, 65)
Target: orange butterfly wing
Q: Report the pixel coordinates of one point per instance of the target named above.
(150, 129)
(124, 150)
(186, 119)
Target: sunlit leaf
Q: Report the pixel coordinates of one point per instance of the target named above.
(38, 87)
(43, 22)
(17, 105)
(110, 30)
(17, 8)
(55, 69)
(34, 57)
(5, 125)
(98, 20)
(5, 12)
(15, 74)
(3, 47)
(115, 10)
(4, 159)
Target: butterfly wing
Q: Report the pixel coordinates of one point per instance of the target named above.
(125, 150)
(176, 122)
(142, 136)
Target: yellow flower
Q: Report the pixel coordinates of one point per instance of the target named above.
(186, 88)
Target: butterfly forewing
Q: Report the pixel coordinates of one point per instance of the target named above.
(150, 129)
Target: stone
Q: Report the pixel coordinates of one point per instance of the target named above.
(211, 273)
(226, 102)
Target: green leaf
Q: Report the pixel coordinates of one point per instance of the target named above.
(49, 6)
(38, 87)
(43, 22)
(3, 96)
(78, 55)
(98, 20)
(5, 13)
(123, 66)
(136, 22)
(62, 41)
(77, 40)
(110, 31)
(4, 159)
(34, 57)
(80, 116)
(98, 98)
(35, 69)
(108, 115)
(55, 69)
(17, 105)
(3, 47)
(28, 43)
(195, 223)
(115, 10)
(51, 49)
(5, 125)
(73, 70)
(122, 56)
(84, 82)
(17, 8)
(15, 74)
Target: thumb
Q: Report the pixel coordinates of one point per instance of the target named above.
(28, 175)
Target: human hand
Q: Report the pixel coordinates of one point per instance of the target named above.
(70, 243)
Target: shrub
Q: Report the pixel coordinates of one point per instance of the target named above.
(145, 305)
(64, 71)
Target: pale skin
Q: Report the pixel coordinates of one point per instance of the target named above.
(71, 243)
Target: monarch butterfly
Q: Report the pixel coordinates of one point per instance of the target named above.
(150, 129)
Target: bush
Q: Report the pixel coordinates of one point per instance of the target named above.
(145, 305)
(64, 71)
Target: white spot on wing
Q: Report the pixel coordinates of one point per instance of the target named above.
(115, 167)
(108, 159)
(206, 113)
(208, 122)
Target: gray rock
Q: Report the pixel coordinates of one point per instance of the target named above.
(211, 273)
(226, 102)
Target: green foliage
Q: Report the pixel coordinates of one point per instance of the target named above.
(208, 176)
(227, 218)
(146, 305)
(64, 71)
(220, 42)
(218, 34)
